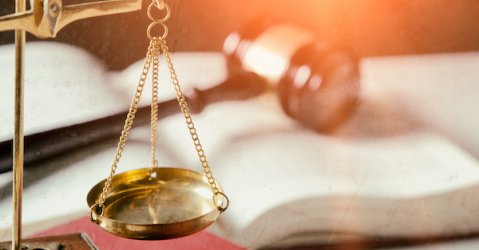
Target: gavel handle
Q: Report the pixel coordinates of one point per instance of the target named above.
(41, 146)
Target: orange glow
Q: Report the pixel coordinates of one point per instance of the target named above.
(265, 62)
(270, 52)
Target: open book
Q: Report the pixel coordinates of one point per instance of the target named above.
(406, 164)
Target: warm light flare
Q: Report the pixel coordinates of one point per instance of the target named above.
(265, 63)
(269, 54)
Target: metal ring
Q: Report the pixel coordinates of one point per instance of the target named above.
(150, 27)
(154, 19)
(160, 4)
(95, 211)
(222, 198)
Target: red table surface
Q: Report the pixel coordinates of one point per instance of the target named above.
(105, 241)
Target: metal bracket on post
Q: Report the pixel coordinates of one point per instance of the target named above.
(44, 20)
(48, 17)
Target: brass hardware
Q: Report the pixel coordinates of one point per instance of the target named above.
(154, 204)
(18, 133)
(193, 200)
(48, 17)
(157, 203)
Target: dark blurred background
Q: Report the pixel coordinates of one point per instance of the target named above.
(367, 27)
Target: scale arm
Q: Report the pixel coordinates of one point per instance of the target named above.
(76, 12)
(21, 21)
(48, 17)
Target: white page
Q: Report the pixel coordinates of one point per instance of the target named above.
(282, 179)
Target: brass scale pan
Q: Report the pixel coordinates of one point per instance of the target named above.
(162, 204)
(156, 203)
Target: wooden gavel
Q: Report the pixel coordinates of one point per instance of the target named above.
(319, 88)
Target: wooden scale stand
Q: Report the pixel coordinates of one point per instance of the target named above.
(148, 203)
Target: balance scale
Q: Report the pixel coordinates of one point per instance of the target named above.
(148, 203)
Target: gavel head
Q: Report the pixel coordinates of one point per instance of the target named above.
(317, 85)
(320, 87)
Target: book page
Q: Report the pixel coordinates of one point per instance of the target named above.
(388, 167)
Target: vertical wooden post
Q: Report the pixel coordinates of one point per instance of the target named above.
(18, 133)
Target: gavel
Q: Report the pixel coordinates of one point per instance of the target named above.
(316, 84)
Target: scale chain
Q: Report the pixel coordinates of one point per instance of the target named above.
(189, 121)
(154, 110)
(158, 46)
(152, 53)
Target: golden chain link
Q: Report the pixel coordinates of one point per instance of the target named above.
(189, 121)
(154, 111)
(153, 51)
(162, 6)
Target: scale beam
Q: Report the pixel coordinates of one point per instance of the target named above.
(48, 17)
